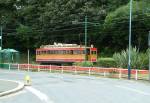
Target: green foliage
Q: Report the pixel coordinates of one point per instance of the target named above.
(106, 62)
(23, 31)
(138, 60)
(37, 22)
(116, 25)
(84, 64)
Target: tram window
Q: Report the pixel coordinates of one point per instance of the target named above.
(76, 52)
(39, 52)
(55, 52)
(68, 52)
(64, 51)
(48, 52)
(71, 52)
(52, 51)
(45, 52)
(42, 52)
(60, 52)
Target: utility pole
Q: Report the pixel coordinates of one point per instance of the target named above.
(28, 60)
(130, 30)
(149, 53)
(85, 38)
(85, 32)
(1, 37)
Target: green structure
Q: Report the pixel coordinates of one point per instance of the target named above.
(9, 56)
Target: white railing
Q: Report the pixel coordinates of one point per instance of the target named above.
(97, 71)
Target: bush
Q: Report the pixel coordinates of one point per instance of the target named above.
(106, 62)
(138, 60)
(84, 64)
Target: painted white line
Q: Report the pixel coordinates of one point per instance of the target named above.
(44, 98)
(12, 72)
(133, 90)
(14, 94)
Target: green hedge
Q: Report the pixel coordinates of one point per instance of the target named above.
(84, 64)
(106, 62)
(139, 60)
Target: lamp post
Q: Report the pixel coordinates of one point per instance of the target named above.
(130, 30)
(85, 37)
(149, 53)
(1, 37)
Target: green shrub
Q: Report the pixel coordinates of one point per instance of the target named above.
(106, 62)
(84, 64)
(138, 60)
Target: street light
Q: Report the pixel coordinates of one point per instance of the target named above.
(1, 31)
(149, 52)
(85, 31)
(1, 37)
(130, 25)
(85, 23)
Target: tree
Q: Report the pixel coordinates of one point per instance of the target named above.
(117, 25)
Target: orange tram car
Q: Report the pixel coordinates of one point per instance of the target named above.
(65, 53)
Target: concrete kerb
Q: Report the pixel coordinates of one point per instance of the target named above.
(18, 88)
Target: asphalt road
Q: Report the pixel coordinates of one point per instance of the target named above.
(66, 88)
(7, 85)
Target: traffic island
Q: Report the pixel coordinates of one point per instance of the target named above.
(8, 87)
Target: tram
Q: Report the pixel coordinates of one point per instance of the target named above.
(65, 53)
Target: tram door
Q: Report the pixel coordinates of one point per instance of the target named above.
(88, 55)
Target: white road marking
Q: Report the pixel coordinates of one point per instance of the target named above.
(11, 72)
(134, 90)
(43, 97)
(14, 94)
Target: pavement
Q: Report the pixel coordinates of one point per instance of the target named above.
(8, 87)
(66, 88)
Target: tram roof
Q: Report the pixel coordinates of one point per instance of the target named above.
(62, 45)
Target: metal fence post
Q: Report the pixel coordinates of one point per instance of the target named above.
(104, 74)
(38, 68)
(18, 67)
(9, 66)
(50, 67)
(28, 67)
(75, 71)
(120, 74)
(136, 74)
(89, 71)
(62, 69)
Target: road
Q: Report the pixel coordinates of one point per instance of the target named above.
(66, 88)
